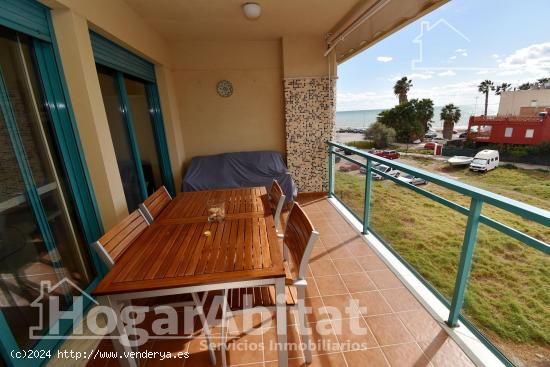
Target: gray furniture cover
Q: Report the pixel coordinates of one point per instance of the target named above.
(243, 169)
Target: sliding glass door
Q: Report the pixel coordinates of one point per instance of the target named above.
(132, 125)
(41, 234)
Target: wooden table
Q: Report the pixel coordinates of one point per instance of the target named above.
(174, 256)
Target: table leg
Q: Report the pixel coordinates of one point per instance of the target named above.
(281, 322)
(199, 305)
(120, 340)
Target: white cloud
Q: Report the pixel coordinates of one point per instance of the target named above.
(484, 72)
(452, 57)
(495, 56)
(464, 54)
(384, 58)
(447, 73)
(460, 50)
(533, 60)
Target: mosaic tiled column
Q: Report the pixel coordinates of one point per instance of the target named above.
(309, 114)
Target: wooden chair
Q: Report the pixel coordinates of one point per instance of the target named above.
(277, 200)
(298, 241)
(155, 204)
(112, 245)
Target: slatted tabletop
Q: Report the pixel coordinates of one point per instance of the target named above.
(177, 251)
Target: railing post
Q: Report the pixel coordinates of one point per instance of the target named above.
(467, 253)
(330, 172)
(366, 209)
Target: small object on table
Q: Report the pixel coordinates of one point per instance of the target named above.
(216, 210)
(207, 233)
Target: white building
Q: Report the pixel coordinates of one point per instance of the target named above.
(523, 102)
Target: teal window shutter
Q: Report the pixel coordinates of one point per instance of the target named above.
(108, 53)
(29, 17)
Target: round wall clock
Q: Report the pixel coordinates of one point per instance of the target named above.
(225, 88)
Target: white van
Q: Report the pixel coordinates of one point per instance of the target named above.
(485, 160)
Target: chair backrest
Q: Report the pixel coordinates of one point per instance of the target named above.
(155, 204)
(299, 239)
(112, 244)
(277, 200)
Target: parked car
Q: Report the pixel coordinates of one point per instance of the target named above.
(385, 169)
(430, 145)
(417, 141)
(388, 154)
(430, 134)
(463, 135)
(485, 160)
(363, 170)
(408, 178)
(348, 167)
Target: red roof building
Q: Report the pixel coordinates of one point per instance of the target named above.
(529, 130)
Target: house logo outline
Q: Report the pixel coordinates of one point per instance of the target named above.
(47, 288)
(425, 27)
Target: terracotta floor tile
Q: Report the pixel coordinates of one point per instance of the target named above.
(399, 329)
(388, 329)
(329, 241)
(322, 268)
(354, 334)
(385, 279)
(358, 282)
(370, 263)
(323, 338)
(293, 340)
(372, 303)
(316, 310)
(369, 357)
(339, 252)
(199, 355)
(421, 325)
(340, 306)
(330, 285)
(444, 352)
(245, 349)
(311, 289)
(294, 362)
(401, 299)
(406, 355)
(358, 248)
(347, 266)
(328, 360)
(319, 252)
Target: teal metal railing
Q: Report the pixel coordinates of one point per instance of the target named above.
(477, 196)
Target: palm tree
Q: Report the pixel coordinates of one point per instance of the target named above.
(542, 82)
(502, 88)
(485, 87)
(450, 114)
(401, 88)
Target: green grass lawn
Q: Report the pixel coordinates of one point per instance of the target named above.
(508, 295)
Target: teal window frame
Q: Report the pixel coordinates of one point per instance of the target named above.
(124, 62)
(34, 19)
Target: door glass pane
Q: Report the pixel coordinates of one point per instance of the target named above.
(30, 253)
(143, 126)
(119, 134)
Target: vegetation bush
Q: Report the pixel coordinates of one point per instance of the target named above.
(361, 144)
(381, 135)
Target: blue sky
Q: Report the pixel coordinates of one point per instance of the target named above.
(463, 43)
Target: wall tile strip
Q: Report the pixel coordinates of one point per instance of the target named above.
(309, 114)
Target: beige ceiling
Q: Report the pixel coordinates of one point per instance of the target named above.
(223, 19)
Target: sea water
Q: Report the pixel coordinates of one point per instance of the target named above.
(365, 118)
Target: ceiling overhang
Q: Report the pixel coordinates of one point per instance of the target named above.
(374, 20)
